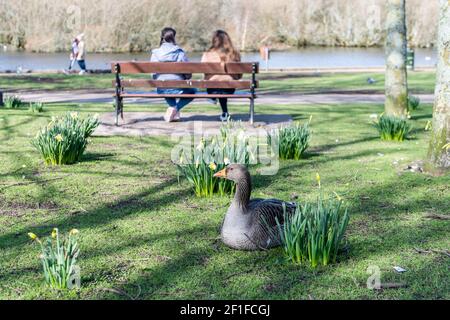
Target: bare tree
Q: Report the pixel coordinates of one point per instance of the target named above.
(439, 149)
(134, 25)
(396, 85)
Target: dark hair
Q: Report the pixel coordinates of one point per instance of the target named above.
(168, 35)
(222, 44)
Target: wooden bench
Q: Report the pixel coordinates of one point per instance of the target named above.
(126, 67)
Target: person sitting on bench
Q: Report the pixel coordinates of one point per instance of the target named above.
(223, 51)
(170, 52)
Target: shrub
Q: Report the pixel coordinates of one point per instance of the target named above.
(64, 139)
(199, 163)
(313, 233)
(413, 103)
(292, 140)
(392, 128)
(36, 107)
(59, 257)
(12, 102)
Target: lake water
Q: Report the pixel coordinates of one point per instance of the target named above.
(311, 57)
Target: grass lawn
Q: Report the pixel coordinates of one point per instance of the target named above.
(145, 233)
(419, 82)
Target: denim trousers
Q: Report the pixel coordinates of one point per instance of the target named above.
(82, 64)
(179, 103)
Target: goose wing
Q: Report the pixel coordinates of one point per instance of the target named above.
(267, 211)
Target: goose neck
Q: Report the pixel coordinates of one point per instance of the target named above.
(243, 191)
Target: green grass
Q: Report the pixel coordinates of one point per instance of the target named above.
(142, 231)
(419, 82)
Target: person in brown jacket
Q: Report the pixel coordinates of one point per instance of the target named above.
(223, 51)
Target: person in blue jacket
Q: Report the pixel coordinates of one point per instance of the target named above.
(169, 51)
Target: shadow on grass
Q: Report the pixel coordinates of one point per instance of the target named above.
(169, 278)
(96, 156)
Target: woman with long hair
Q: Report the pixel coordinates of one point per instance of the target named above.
(223, 51)
(169, 51)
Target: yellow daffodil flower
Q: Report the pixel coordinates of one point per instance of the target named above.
(59, 138)
(32, 236)
(74, 232)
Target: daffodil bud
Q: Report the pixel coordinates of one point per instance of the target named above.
(32, 236)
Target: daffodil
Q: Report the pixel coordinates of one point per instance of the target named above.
(212, 166)
(226, 161)
(337, 196)
(74, 115)
(59, 138)
(32, 236)
(74, 232)
(318, 178)
(54, 233)
(200, 146)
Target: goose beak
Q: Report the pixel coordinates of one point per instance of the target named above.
(221, 174)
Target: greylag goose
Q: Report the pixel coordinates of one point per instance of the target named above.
(250, 224)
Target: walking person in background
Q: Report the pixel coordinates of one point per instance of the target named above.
(73, 53)
(170, 52)
(223, 51)
(81, 55)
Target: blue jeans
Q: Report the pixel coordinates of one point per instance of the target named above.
(82, 64)
(182, 102)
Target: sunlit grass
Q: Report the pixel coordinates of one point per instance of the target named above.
(144, 232)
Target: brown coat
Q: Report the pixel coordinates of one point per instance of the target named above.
(212, 56)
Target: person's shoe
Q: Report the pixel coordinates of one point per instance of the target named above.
(82, 72)
(212, 100)
(224, 116)
(177, 116)
(170, 114)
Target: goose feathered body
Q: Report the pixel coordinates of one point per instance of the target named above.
(252, 224)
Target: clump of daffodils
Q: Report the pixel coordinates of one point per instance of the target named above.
(59, 257)
(314, 233)
(64, 139)
(392, 128)
(201, 160)
(292, 140)
(13, 102)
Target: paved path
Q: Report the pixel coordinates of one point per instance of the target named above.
(93, 96)
(152, 124)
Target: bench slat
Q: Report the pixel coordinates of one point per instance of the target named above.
(196, 96)
(201, 84)
(184, 67)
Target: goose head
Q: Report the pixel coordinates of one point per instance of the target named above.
(234, 172)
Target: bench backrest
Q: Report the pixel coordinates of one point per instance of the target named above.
(230, 68)
(184, 67)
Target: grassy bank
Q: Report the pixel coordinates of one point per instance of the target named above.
(419, 82)
(143, 232)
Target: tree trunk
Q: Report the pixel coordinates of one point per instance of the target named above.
(438, 151)
(396, 86)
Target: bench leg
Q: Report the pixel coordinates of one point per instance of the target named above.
(118, 104)
(252, 110)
